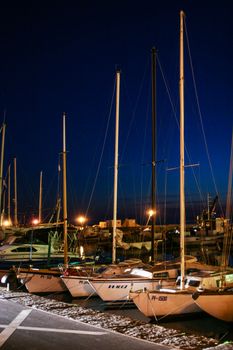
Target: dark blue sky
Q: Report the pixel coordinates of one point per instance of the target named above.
(63, 56)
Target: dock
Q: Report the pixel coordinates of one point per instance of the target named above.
(25, 328)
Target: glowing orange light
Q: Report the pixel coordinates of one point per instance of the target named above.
(35, 221)
(6, 223)
(151, 212)
(81, 219)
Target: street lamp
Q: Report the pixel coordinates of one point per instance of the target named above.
(34, 223)
(150, 213)
(81, 220)
(6, 223)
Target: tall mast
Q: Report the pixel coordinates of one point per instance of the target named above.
(1, 164)
(15, 196)
(9, 195)
(227, 241)
(153, 189)
(116, 168)
(229, 190)
(40, 198)
(182, 190)
(64, 193)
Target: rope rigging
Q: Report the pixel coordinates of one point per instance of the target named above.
(102, 150)
(200, 116)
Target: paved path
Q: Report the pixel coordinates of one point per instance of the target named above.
(23, 328)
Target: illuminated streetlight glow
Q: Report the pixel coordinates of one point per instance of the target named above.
(150, 213)
(6, 223)
(81, 219)
(35, 221)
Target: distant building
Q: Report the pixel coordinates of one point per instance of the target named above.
(110, 223)
(102, 224)
(126, 223)
(220, 224)
(129, 223)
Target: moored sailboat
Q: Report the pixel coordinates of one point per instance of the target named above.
(117, 287)
(219, 302)
(78, 281)
(177, 300)
(48, 280)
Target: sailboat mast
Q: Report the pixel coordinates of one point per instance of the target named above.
(153, 189)
(1, 165)
(40, 198)
(228, 230)
(9, 195)
(15, 196)
(229, 190)
(116, 168)
(182, 188)
(64, 193)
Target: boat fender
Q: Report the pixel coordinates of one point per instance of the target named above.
(11, 279)
(6, 277)
(195, 295)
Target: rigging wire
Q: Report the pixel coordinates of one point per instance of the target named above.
(228, 229)
(177, 122)
(135, 107)
(142, 214)
(58, 194)
(102, 150)
(200, 116)
(129, 129)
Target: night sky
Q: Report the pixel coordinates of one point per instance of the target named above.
(62, 57)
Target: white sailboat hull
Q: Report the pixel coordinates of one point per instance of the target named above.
(78, 280)
(218, 305)
(118, 289)
(41, 282)
(161, 303)
(78, 286)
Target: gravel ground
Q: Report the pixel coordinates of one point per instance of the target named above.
(137, 329)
